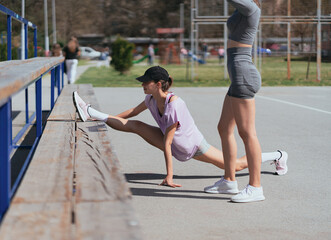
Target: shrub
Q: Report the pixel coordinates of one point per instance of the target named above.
(122, 55)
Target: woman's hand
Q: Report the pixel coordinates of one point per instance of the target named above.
(168, 182)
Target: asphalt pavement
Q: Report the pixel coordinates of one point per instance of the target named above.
(297, 205)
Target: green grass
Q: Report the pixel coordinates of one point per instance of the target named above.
(274, 73)
(83, 62)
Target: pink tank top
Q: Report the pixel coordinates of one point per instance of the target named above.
(187, 137)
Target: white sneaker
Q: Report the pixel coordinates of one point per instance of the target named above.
(249, 194)
(223, 186)
(281, 163)
(81, 106)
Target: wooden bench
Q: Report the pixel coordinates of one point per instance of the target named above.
(73, 188)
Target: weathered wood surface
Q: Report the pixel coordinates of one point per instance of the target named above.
(49, 176)
(73, 188)
(16, 74)
(102, 206)
(64, 110)
(41, 208)
(48, 220)
(98, 176)
(113, 220)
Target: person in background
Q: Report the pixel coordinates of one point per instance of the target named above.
(56, 50)
(71, 53)
(220, 54)
(151, 54)
(204, 51)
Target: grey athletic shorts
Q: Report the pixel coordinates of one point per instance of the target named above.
(245, 78)
(203, 148)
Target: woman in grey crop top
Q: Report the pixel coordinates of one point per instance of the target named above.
(239, 104)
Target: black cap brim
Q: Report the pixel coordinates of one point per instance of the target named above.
(144, 78)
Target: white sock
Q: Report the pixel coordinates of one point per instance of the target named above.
(97, 115)
(271, 156)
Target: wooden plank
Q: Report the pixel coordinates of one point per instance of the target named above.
(64, 109)
(98, 176)
(106, 220)
(16, 74)
(49, 176)
(103, 207)
(47, 220)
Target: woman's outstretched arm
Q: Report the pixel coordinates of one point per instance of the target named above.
(168, 137)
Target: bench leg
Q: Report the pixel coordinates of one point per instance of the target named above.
(5, 150)
(38, 108)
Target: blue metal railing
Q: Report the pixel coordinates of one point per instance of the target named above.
(7, 143)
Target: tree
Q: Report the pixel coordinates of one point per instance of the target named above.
(122, 55)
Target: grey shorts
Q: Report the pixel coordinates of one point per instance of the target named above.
(245, 78)
(203, 148)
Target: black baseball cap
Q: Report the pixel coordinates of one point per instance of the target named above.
(155, 74)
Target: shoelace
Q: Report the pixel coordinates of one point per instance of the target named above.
(246, 190)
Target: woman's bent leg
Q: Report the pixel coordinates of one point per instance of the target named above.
(215, 156)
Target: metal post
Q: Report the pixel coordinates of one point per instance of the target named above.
(319, 55)
(62, 73)
(46, 29)
(57, 77)
(35, 42)
(5, 149)
(226, 12)
(26, 41)
(26, 105)
(22, 33)
(54, 21)
(26, 57)
(38, 108)
(192, 38)
(288, 41)
(181, 25)
(260, 42)
(9, 29)
(255, 49)
(52, 88)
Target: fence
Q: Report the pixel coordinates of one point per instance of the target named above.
(17, 76)
(287, 28)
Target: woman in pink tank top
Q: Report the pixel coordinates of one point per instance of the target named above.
(176, 134)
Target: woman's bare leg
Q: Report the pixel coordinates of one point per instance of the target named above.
(244, 114)
(226, 127)
(215, 157)
(150, 134)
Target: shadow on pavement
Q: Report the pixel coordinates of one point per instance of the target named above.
(163, 191)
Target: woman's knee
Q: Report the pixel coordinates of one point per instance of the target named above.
(225, 130)
(246, 134)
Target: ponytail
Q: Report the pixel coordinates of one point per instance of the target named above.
(166, 84)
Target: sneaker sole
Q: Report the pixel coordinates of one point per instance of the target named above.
(77, 108)
(257, 199)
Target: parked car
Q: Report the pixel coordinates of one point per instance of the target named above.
(262, 50)
(89, 53)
